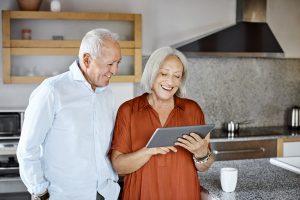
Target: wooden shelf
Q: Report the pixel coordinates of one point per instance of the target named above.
(35, 79)
(71, 15)
(57, 43)
(18, 47)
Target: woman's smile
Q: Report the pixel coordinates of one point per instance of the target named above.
(168, 88)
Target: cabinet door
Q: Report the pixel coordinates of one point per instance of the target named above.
(288, 147)
(236, 150)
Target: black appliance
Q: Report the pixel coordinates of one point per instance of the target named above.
(11, 121)
(251, 36)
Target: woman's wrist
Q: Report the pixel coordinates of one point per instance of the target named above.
(202, 154)
(203, 159)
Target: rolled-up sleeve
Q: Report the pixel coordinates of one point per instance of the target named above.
(38, 119)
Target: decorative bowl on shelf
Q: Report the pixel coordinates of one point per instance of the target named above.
(29, 5)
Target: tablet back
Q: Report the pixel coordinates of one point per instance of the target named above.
(168, 136)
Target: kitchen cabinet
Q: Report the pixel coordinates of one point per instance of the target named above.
(288, 147)
(16, 196)
(15, 48)
(237, 150)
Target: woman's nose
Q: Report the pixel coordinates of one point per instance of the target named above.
(170, 80)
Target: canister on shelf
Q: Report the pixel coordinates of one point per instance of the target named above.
(26, 34)
(57, 37)
(55, 6)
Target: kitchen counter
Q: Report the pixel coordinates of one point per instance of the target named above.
(257, 179)
(255, 133)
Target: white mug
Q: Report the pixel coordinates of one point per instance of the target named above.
(228, 178)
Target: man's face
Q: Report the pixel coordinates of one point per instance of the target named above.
(100, 69)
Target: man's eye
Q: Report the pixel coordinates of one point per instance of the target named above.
(163, 74)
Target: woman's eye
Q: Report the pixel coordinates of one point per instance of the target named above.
(163, 74)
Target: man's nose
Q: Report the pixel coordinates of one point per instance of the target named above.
(114, 69)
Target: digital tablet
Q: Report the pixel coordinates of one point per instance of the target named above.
(163, 137)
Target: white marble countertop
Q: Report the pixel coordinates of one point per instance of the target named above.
(12, 109)
(257, 179)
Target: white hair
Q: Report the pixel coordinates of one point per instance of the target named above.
(93, 40)
(153, 64)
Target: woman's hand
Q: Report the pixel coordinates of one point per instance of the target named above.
(161, 150)
(130, 162)
(195, 144)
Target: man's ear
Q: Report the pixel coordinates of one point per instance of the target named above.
(86, 60)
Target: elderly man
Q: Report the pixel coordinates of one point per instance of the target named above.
(68, 127)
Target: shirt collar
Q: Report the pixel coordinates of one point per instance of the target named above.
(143, 104)
(76, 72)
(78, 76)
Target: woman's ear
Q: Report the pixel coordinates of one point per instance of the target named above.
(86, 60)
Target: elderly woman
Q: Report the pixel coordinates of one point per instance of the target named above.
(161, 173)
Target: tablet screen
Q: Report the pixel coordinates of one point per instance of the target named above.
(168, 136)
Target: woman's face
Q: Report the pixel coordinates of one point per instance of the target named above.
(168, 78)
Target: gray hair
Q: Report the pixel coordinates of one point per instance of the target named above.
(153, 64)
(93, 40)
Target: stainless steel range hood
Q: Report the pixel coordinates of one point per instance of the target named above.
(249, 37)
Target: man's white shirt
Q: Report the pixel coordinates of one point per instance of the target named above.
(66, 137)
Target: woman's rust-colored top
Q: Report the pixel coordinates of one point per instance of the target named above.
(172, 176)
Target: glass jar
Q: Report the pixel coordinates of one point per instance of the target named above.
(26, 34)
(55, 6)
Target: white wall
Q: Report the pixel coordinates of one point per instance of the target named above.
(168, 22)
(283, 18)
(163, 23)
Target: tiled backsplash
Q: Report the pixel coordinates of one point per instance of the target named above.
(258, 89)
